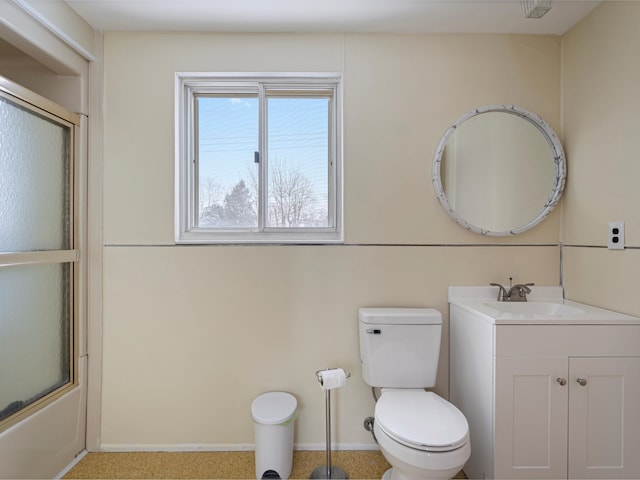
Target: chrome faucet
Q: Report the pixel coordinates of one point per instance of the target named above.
(520, 292)
(502, 292)
(516, 293)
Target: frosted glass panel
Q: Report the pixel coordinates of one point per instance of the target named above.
(34, 184)
(34, 333)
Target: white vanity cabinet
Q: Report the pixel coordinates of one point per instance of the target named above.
(545, 399)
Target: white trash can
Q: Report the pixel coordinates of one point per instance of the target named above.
(274, 414)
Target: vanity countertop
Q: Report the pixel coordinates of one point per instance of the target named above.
(545, 306)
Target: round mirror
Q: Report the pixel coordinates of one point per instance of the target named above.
(499, 170)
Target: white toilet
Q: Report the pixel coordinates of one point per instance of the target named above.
(421, 435)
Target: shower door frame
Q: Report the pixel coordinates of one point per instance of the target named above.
(43, 437)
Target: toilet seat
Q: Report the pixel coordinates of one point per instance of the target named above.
(421, 420)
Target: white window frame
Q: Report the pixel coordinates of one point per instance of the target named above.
(188, 85)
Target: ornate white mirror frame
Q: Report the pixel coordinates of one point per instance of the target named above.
(556, 155)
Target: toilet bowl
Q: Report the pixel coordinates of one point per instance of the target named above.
(420, 434)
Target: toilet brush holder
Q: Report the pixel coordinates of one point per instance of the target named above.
(330, 379)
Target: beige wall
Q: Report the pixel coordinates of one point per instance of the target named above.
(193, 334)
(601, 130)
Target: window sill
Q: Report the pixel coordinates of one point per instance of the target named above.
(263, 238)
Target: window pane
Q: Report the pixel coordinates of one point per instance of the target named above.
(34, 185)
(227, 173)
(34, 333)
(298, 162)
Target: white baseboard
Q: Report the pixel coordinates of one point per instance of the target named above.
(73, 463)
(176, 447)
(218, 447)
(336, 446)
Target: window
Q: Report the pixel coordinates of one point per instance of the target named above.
(258, 159)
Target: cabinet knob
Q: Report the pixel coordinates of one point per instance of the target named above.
(581, 381)
(561, 381)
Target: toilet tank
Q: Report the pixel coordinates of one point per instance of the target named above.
(400, 347)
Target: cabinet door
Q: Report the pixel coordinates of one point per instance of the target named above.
(531, 418)
(604, 417)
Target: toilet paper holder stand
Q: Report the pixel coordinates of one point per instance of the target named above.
(328, 471)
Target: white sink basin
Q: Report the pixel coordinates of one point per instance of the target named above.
(535, 308)
(545, 306)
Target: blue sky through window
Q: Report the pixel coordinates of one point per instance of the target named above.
(297, 138)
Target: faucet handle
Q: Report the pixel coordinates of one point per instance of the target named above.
(523, 288)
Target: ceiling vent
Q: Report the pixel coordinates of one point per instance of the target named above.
(535, 8)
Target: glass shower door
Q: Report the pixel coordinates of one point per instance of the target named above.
(37, 258)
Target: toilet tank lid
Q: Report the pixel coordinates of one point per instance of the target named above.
(400, 316)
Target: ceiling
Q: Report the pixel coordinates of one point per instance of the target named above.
(328, 16)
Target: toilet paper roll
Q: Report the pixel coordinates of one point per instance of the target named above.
(334, 378)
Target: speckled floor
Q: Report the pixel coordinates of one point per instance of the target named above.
(364, 464)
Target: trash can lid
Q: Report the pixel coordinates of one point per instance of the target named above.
(274, 408)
